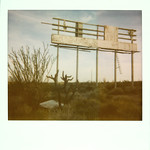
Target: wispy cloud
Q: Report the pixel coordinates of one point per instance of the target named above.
(86, 19)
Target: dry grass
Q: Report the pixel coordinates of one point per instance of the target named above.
(102, 103)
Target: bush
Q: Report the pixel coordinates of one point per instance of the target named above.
(108, 111)
(97, 94)
(85, 109)
(116, 91)
(78, 110)
(24, 99)
(109, 85)
(24, 66)
(133, 90)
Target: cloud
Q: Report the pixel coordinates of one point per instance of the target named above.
(86, 19)
(25, 28)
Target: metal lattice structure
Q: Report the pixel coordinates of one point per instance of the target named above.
(87, 37)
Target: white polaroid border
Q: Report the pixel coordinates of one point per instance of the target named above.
(74, 135)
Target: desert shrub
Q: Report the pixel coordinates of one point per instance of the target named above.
(24, 99)
(108, 85)
(129, 110)
(86, 109)
(27, 70)
(116, 91)
(14, 89)
(123, 83)
(97, 94)
(82, 109)
(133, 90)
(86, 87)
(128, 106)
(121, 98)
(24, 66)
(108, 111)
(32, 94)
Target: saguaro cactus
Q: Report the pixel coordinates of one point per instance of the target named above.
(67, 89)
(66, 79)
(54, 78)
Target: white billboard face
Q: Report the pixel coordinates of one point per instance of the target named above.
(111, 42)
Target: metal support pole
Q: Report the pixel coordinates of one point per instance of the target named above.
(97, 67)
(132, 69)
(97, 61)
(132, 65)
(115, 69)
(57, 63)
(77, 64)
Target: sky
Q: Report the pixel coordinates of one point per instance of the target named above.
(25, 29)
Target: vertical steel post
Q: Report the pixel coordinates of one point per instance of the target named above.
(132, 59)
(57, 63)
(78, 25)
(132, 67)
(91, 76)
(115, 69)
(97, 62)
(97, 67)
(77, 64)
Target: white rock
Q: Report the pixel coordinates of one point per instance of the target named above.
(50, 104)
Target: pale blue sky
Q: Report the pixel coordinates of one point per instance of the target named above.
(24, 28)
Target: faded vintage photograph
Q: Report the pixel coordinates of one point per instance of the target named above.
(75, 65)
